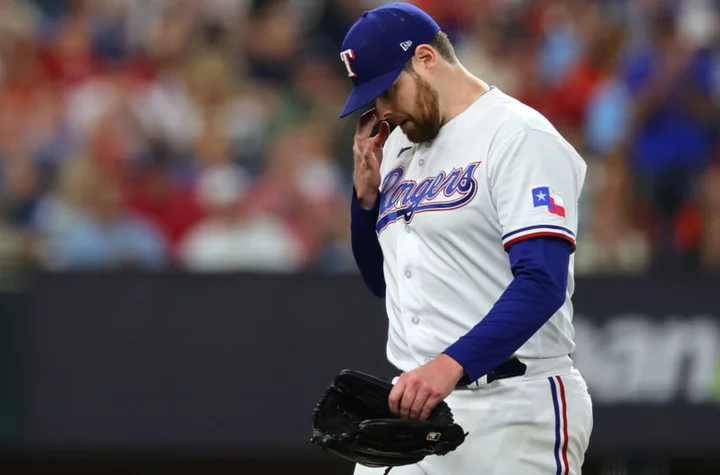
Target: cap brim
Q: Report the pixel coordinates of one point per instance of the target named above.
(367, 92)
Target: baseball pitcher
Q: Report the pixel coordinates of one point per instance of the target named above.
(464, 220)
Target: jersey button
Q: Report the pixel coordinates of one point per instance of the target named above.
(415, 320)
(407, 229)
(421, 162)
(408, 274)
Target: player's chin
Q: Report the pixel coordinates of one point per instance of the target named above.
(417, 135)
(411, 131)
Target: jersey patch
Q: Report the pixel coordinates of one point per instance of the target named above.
(545, 197)
(403, 198)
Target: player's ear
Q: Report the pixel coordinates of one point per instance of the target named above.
(425, 58)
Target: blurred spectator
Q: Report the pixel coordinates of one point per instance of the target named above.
(232, 237)
(594, 78)
(489, 52)
(607, 100)
(272, 41)
(698, 22)
(167, 99)
(314, 99)
(160, 195)
(337, 253)
(19, 187)
(671, 145)
(231, 118)
(561, 42)
(69, 58)
(85, 225)
(333, 18)
(455, 17)
(301, 184)
(165, 109)
(611, 242)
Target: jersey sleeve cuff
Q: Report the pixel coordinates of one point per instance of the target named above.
(529, 232)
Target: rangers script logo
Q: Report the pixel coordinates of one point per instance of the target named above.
(403, 198)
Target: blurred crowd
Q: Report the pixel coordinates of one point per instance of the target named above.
(204, 134)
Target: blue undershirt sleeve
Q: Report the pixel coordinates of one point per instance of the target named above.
(539, 287)
(366, 247)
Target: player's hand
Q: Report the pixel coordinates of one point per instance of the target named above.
(367, 157)
(417, 392)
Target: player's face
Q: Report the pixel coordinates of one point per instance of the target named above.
(412, 104)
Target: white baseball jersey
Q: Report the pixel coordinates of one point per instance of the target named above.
(497, 173)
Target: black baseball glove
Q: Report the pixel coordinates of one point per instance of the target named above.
(353, 420)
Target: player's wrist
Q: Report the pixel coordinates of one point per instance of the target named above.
(366, 199)
(453, 367)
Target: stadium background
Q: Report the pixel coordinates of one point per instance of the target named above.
(174, 226)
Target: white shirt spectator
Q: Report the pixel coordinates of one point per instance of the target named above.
(229, 240)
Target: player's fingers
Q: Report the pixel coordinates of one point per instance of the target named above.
(363, 154)
(395, 396)
(360, 156)
(365, 124)
(428, 407)
(368, 156)
(407, 401)
(418, 406)
(378, 143)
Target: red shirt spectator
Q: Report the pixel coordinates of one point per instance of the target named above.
(172, 207)
(70, 60)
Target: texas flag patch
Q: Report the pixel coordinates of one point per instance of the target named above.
(544, 197)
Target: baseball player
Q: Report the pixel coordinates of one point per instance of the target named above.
(464, 220)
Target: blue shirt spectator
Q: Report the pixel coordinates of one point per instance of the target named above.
(559, 51)
(608, 117)
(75, 238)
(129, 242)
(670, 134)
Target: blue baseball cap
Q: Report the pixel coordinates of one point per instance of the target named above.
(377, 47)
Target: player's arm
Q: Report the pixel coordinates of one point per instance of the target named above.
(365, 245)
(535, 183)
(365, 206)
(540, 270)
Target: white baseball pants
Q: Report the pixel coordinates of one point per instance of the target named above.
(529, 425)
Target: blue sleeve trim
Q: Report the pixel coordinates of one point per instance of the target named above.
(538, 289)
(366, 247)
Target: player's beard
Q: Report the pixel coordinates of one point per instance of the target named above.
(426, 122)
